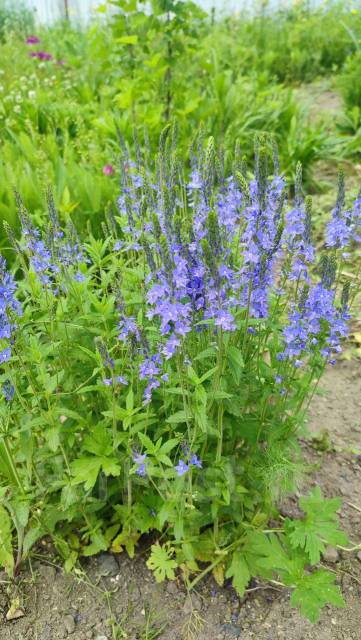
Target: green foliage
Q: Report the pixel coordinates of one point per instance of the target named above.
(319, 526)
(70, 435)
(6, 550)
(86, 459)
(161, 562)
(314, 591)
(137, 70)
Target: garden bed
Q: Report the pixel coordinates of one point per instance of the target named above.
(59, 606)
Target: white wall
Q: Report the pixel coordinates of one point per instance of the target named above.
(81, 10)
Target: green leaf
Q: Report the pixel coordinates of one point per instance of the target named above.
(315, 590)
(235, 362)
(99, 441)
(208, 374)
(239, 573)
(127, 40)
(6, 552)
(169, 445)
(31, 536)
(161, 562)
(110, 466)
(207, 353)
(86, 470)
(52, 438)
(147, 443)
(180, 416)
(318, 528)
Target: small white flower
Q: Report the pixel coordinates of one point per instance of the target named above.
(31, 94)
(18, 98)
(17, 108)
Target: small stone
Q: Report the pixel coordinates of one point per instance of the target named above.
(101, 638)
(69, 624)
(108, 565)
(172, 587)
(330, 555)
(192, 602)
(358, 556)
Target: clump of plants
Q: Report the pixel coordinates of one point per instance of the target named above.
(155, 381)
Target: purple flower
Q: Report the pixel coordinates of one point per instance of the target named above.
(32, 40)
(181, 468)
(152, 384)
(108, 382)
(121, 380)
(148, 368)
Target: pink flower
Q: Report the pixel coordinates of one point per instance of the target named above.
(32, 40)
(108, 169)
(60, 62)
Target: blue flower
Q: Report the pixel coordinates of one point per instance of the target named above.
(195, 461)
(139, 459)
(8, 390)
(181, 468)
(10, 309)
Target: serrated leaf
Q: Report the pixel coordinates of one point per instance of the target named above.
(179, 416)
(86, 470)
(235, 362)
(239, 572)
(161, 562)
(318, 528)
(314, 591)
(169, 445)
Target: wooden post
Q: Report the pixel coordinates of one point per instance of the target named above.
(66, 10)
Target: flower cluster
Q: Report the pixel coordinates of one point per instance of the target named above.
(10, 309)
(55, 252)
(219, 253)
(40, 55)
(345, 224)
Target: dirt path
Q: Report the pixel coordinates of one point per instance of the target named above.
(62, 606)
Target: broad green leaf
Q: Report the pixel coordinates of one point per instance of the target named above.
(239, 572)
(161, 562)
(86, 470)
(314, 591)
(319, 526)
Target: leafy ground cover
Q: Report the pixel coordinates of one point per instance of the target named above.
(79, 610)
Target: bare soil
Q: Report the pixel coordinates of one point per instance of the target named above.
(123, 591)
